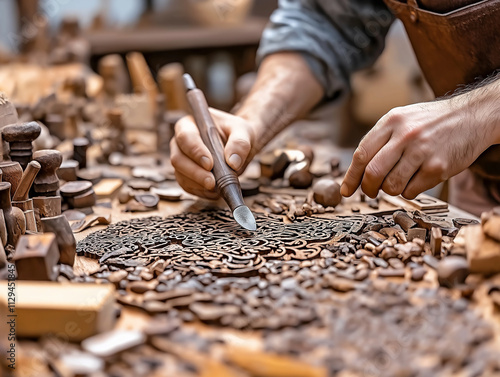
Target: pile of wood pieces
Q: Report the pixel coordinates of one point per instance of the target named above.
(389, 295)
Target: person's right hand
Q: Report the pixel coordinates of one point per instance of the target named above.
(192, 160)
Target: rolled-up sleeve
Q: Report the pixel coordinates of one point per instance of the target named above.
(336, 38)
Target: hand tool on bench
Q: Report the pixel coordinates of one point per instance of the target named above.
(226, 178)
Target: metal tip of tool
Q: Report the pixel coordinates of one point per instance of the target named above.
(188, 81)
(245, 218)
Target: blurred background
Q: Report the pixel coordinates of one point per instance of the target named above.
(216, 42)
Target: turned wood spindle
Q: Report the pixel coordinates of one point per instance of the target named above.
(20, 138)
(46, 182)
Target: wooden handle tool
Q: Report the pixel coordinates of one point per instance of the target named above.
(226, 178)
(26, 181)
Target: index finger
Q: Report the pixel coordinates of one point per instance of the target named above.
(190, 143)
(366, 150)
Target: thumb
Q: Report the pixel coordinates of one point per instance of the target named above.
(238, 147)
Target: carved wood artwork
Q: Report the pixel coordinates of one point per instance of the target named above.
(212, 239)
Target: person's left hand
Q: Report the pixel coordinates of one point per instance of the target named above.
(413, 148)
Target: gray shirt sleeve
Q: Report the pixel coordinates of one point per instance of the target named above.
(335, 37)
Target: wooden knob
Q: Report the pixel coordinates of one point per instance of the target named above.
(327, 192)
(20, 138)
(47, 182)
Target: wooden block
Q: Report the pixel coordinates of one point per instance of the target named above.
(137, 112)
(85, 200)
(425, 202)
(36, 257)
(436, 240)
(108, 188)
(483, 253)
(417, 233)
(74, 311)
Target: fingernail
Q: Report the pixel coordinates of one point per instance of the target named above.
(209, 183)
(205, 163)
(235, 161)
(344, 190)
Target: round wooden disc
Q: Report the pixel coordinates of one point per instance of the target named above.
(170, 194)
(147, 200)
(75, 188)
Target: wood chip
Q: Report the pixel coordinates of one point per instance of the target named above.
(113, 342)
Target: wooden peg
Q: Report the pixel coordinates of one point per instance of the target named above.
(47, 182)
(80, 146)
(36, 256)
(436, 240)
(172, 87)
(15, 222)
(27, 179)
(66, 242)
(142, 79)
(12, 172)
(20, 138)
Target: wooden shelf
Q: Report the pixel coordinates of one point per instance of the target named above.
(176, 38)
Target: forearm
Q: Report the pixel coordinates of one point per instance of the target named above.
(482, 107)
(285, 90)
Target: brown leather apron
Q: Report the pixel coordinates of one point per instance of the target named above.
(457, 42)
